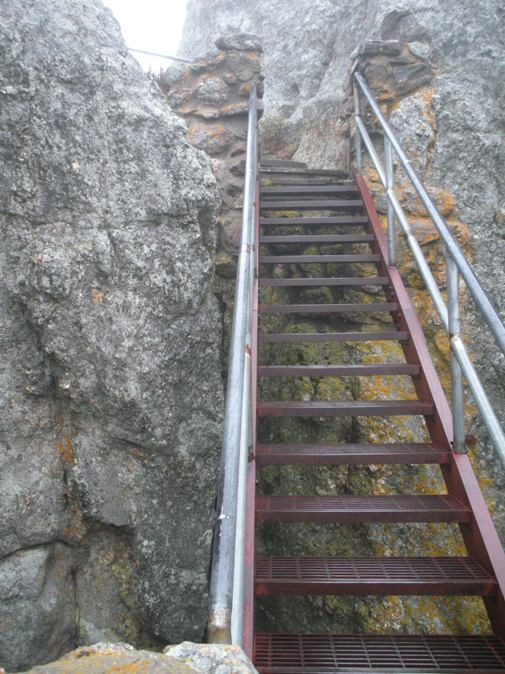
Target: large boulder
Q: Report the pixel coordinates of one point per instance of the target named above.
(110, 385)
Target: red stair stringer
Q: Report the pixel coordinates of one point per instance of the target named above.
(479, 535)
(249, 560)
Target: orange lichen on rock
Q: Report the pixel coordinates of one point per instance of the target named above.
(66, 450)
(97, 296)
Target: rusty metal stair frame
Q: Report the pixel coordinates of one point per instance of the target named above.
(326, 200)
(480, 536)
(477, 530)
(419, 654)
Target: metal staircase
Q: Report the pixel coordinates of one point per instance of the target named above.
(289, 211)
(348, 207)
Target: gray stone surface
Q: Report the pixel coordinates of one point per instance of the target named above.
(186, 658)
(110, 342)
(37, 605)
(212, 658)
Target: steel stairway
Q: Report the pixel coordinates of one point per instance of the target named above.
(302, 209)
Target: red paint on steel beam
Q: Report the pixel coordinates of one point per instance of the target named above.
(250, 532)
(479, 535)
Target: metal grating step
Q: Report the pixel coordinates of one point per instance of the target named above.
(342, 408)
(282, 163)
(313, 204)
(281, 337)
(315, 282)
(349, 220)
(327, 308)
(338, 370)
(310, 259)
(360, 509)
(318, 238)
(372, 576)
(303, 180)
(308, 189)
(299, 170)
(350, 454)
(374, 653)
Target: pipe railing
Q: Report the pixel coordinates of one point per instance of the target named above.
(457, 268)
(227, 570)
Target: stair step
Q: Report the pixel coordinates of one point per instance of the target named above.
(351, 454)
(310, 259)
(308, 189)
(315, 204)
(343, 408)
(301, 172)
(316, 282)
(304, 180)
(360, 509)
(349, 220)
(300, 337)
(321, 239)
(373, 653)
(282, 163)
(327, 308)
(372, 576)
(386, 369)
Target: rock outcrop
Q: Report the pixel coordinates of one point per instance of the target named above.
(111, 386)
(185, 658)
(212, 96)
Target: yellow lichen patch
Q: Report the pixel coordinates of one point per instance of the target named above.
(427, 96)
(442, 343)
(66, 450)
(445, 201)
(97, 296)
(77, 529)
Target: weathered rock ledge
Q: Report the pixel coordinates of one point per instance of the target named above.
(185, 658)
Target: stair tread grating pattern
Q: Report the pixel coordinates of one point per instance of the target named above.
(419, 502)
(385, 369)
(346, 220)
(351, 453)
(325, 308)
(310, 259)
(449, 571)
(349, 509)
(337, 408)
(280, 337)
(293, 653)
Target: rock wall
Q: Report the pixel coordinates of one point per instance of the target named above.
(185, 658)
(212, 95)
(110, 386)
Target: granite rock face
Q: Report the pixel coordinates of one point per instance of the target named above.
(185, 658)
(110, 386)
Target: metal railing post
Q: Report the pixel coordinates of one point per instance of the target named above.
(457, 388)
(388, 161)
(235, 432)
(358, 150)
(461, 363)
(472, 283)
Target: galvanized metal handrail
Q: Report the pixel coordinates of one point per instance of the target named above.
(457, 267)
(227, 570)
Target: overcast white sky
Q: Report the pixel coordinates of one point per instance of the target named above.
(153, 25)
